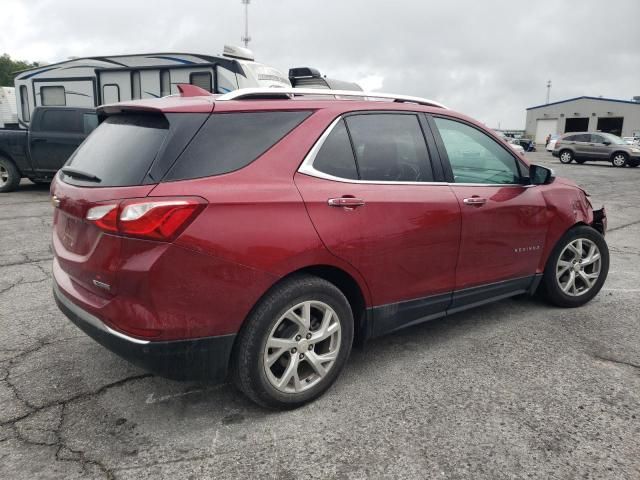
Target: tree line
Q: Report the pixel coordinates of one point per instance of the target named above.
(10, 67)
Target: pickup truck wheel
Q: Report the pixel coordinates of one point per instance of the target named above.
(566, 156)
(577, 268)
(9, 175)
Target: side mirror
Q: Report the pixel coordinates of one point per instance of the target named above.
(539, 175)
(606, 142)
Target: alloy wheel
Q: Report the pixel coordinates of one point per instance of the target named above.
(619, 160)
(566, 157)
(302, 347)
(578, 267)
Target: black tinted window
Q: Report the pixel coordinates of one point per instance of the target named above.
(230, 141)
(336, 155)
(121, 150)
(67, 121)
(390, 147)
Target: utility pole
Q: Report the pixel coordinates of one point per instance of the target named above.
(246, 38)
(548, 90)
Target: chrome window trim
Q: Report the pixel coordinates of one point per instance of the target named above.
(307, 168)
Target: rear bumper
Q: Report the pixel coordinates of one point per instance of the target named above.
(194, 359)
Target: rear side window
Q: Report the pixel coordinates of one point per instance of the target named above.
(67, 121)
(583, 137)
(390, 147)
(120, 151)
(231, 141)
(336, 155)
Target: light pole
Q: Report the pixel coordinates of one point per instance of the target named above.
(246, 38)
(548, 90)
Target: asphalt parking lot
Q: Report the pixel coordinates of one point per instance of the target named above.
(517, 389)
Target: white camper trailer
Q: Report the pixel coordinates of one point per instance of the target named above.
(92, 81)
(8, 109)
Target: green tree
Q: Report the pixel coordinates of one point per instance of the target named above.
(8, 67)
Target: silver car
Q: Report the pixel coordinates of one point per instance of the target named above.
(596, 146)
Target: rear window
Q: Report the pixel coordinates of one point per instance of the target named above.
(68, 121)
(120, 151)
(231, 141)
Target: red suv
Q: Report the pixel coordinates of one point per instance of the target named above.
(260, 233)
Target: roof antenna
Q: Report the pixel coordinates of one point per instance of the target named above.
(246, 38)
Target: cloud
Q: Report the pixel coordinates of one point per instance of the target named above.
(489, 60)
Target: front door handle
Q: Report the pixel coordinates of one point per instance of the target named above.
(345, 202)
(475, 201)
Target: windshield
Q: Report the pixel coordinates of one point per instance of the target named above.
(614, 139)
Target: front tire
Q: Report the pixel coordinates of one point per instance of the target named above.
(619, 160)
(294, 344)
(565, 156)
(9, 175)
(577, 268)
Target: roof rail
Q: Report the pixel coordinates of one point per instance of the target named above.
(261, 93)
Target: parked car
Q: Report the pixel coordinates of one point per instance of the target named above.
(598, 146)
(512, 142)
(262, 234)
(552, 143)
(528, 144)
(38, 153)
(631, 140)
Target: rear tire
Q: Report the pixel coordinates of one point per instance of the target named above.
(565, 156)
(280, 363)
(633, 163)
(9, 175)
(619, 159)
(577, 268)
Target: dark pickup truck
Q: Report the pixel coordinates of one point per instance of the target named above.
(38, 153)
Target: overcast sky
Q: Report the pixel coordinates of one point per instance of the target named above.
(488, 59)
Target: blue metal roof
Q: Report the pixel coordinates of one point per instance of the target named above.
(589, 98)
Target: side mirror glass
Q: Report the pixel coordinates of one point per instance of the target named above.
(539, 175)
(606, 142)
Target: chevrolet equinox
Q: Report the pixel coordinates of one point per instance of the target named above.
(257, 235)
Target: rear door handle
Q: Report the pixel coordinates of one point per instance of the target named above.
(475, 201)
(345, 202)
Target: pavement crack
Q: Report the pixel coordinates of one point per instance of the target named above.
(623, 226)
(617, 362)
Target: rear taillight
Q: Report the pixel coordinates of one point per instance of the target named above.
(158, 219)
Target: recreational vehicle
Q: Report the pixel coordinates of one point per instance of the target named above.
(91, 81)
(8, 110)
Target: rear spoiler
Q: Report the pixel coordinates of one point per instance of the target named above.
(200, 101)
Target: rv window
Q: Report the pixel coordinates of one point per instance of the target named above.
(89, 122)
(202, 80)
(136, 88)
(67, 121)
(231, 141)
(165, 83)
(52, 96)
(24, 104)
(110, 93)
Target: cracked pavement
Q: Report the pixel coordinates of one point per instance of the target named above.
(516, 389)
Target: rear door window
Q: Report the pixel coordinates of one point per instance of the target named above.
(120, 151)
(67, 121)
(390, 147)
(231, 141)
